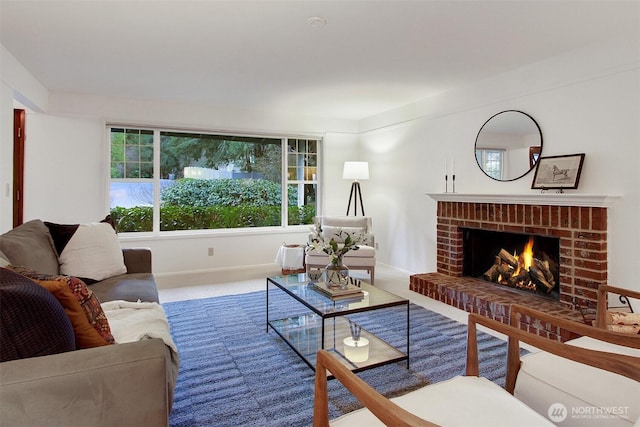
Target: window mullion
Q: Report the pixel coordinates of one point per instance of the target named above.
(285, 183)
(156, 181)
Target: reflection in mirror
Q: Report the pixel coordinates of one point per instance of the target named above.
(508, 145)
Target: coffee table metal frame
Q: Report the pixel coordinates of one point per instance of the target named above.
(322, 323)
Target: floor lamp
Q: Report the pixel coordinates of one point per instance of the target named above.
(355, 171)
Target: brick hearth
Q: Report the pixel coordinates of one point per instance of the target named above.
(491, 300)
(582, 233)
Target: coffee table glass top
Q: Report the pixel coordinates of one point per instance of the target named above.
(298, 286)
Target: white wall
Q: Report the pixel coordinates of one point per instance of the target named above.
(586, 101)
(6, 157)
(16, 84)
(66, 171)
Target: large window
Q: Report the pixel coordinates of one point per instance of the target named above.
(170, 180)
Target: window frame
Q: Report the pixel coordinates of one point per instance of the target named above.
(482, 160)
(155, 181)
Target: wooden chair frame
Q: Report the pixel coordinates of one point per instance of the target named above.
(518, 311)
(602, 304)
(391, 414)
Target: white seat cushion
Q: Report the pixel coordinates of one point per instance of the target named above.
(460, 401)
(545, 379)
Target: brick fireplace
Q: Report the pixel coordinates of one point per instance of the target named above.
(580, 224)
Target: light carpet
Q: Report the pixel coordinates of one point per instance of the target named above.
(234, 373)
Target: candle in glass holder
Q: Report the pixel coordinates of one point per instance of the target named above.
(356, 350)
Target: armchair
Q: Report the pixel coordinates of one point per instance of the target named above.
(543, 379)
(362, 259)
(465, 400)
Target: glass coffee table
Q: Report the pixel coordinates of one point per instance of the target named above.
(309, 321)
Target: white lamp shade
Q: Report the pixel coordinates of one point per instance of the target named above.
(355, 170)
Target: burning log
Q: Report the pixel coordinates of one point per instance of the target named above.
(539, 277)
(492, 274)
(522, 271)
(508, 258)
(546, 270)
(499, 271)
(520, 280)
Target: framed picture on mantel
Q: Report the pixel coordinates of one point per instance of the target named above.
(558, 172)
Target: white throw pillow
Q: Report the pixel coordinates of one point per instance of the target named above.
(330, 232)
(93, 252)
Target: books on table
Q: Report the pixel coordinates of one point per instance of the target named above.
(349, 292)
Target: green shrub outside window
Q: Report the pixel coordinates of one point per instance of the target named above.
(209, 181)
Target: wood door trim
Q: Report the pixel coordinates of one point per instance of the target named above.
(19, 121)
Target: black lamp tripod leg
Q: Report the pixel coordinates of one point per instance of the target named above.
(355, 195)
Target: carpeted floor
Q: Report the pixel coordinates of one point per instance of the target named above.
(234, 373)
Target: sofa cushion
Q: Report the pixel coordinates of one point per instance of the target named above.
(127, 287)
(32, 321)
(30, 244)
(4, 261)
(89, 251)
(88, 304)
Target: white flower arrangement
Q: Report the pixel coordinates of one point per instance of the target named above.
(351, 241)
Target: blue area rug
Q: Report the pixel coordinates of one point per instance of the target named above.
(234, 373)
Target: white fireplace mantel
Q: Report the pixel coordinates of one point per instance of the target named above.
(553, 199)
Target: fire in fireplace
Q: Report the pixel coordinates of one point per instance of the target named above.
(529, 263)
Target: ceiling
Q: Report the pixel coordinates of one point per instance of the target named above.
(370, 57)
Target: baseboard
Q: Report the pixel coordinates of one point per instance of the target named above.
(216, 275)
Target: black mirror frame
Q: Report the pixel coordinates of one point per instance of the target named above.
(532, 162)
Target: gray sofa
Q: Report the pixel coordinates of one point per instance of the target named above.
(121, 384)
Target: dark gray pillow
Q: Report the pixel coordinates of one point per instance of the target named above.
(31, 245)
(32, 321)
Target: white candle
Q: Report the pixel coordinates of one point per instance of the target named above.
(445, 164)
(454, 166)
(356, 351)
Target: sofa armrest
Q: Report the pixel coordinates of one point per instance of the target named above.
(137, 260)
(120, 384)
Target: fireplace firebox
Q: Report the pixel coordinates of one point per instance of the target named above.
(526, 262)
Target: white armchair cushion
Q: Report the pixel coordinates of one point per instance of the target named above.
(545, 379)
(338, 233)
(460, 401)
(363, 222)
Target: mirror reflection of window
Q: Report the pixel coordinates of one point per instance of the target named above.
(518, 139)
(491, 161)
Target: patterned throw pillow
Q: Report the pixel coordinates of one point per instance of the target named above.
(626, 323)
(88, 301)
(86, 335)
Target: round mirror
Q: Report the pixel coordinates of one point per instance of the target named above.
(508, 145)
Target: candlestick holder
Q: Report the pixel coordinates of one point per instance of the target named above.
(453, 182)
(446, 183)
